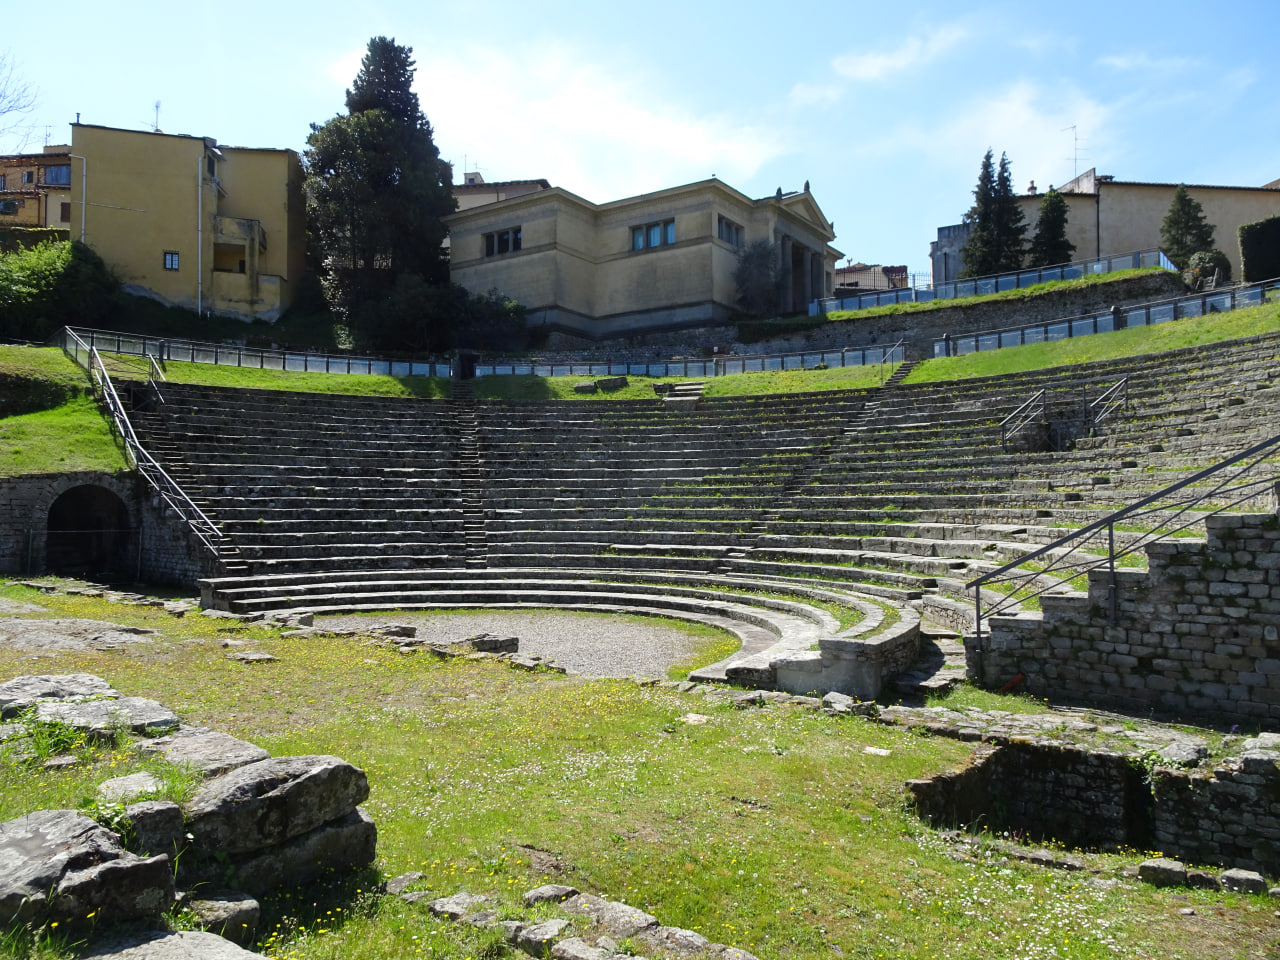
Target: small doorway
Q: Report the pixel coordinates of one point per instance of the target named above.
(89, 535)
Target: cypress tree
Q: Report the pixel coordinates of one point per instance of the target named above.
(995, 244)
(1050, 244)
(1185, 230)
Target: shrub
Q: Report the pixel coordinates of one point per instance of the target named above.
(1202, 265)
(1260, 250)
(53, 284)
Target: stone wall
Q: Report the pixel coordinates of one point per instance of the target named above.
(1195, 637)
(1077, 796)
(170, 553)
(1228, 815)
(919, 328)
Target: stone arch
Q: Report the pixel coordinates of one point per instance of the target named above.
(89, 532)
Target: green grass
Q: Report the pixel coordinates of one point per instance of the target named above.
(1175, 335)
(355, 384)
(72, 437)
(768, 829)
(755, 330)
(42, 363)
(800, 381)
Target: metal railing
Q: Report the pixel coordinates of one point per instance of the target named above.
(88, 357)
(1030, 411)
(196, 352)
(1115, 397)
(1246, 476)
(982, 286)
(1139, 315)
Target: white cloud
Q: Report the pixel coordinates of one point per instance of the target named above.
(1141, 62)
(808, 94)
(598, 132)
(914, 53)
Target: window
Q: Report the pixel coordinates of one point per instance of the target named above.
(502, 241)
(8, 208)
(170, 260)
(653, 235)
(28, 176)
(729, 232)
(65, 213)
(60, 175)
(2, 179)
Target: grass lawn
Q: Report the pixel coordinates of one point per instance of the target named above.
(1175, 335)
(214, 375)
(770, 829)
(72, 437)
(42, 363)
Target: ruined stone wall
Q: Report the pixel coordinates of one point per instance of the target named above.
(24, 512)
(171, 553)
(1197, 637)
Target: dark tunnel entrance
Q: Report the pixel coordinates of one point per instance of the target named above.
(89, 534)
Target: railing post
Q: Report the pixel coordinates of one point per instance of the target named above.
(1111, 570)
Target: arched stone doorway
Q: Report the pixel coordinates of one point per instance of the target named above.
(89, 534)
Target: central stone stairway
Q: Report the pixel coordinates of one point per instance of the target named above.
(470, 474)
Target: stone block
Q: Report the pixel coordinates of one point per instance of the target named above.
(208, 751)
(169, 945)
(1243, 881)
(1163, 872)
(228, 914)
(22, 693)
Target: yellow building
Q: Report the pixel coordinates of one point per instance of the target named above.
(35, 189)
(185, 221)
(1107, 217)
(659, 260)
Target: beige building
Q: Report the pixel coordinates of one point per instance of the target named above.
(188, 222)
(35, 189)
(658, 260)
(1108, 217)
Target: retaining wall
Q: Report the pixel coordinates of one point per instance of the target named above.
(1196, 637)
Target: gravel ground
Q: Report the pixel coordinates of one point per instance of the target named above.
(68, 635)
(592, 646)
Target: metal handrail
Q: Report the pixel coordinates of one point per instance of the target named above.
(1025, 415)
(155, 369)
(204, 528)
(1064, 567)
(1110, 400)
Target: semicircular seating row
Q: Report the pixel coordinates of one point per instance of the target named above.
(759, 515)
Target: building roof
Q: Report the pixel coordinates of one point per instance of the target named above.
(1091, 178)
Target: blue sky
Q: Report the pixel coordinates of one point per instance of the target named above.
(886, 109)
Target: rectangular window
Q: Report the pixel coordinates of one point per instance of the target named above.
(65, 213)
(653, 235)
(8, 208)
(28, 176)
(502, 241)
(729, 232)
(59, 175)
(2, 179)
(170, 260)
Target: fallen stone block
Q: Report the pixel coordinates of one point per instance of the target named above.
(128, 788)
(537, 939)
(575, 948)
(22, 693)
(550, 893)
(266, 803)
(102, 718)
(207, 751)
(230, 914)
(456, 906)
(398, 885)
(1243, 881)
(60, 865)
(584, 386)
(157, 827)
(330, 850)
(170, 945)
(1163, 872)
(618, 919)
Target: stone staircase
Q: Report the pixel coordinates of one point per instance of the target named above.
(470, 474)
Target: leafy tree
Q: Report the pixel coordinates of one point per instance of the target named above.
(377, 191)
(53, 284)
(1185, 231)
(1050, 244)
(758, 280)
(996, 242)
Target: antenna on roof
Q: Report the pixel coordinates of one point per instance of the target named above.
(156, 128)
(1075, 150)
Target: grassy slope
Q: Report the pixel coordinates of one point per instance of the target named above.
(72, 437)
(42, 363)
(769, 829)
(1176, 335)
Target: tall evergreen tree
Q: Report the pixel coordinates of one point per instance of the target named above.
(1050, 244)
(377, 188)
(1185, 231)
(996, 241)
